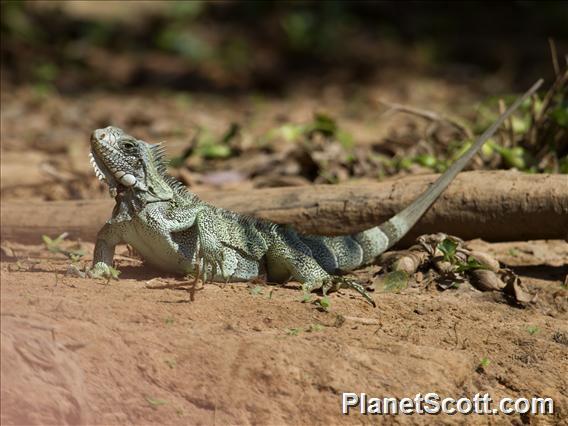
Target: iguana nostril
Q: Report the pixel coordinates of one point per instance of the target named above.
(100, 134)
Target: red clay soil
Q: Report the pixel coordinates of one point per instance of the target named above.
(80, 351)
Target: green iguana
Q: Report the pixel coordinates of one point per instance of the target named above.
(177, 232)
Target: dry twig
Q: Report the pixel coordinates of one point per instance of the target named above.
(428, 115)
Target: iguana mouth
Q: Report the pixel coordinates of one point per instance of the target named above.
(114, 187)
(98, 172)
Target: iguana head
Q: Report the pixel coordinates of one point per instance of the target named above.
(129, 164)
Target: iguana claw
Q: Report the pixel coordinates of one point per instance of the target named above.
(100, 270)
(335, 282)
(211, 261)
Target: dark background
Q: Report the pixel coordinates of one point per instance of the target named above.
(268, 46)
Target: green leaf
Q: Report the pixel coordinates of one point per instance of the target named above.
(108, 273)
(289, 132)
(533, 329)
(315, 328)
(214, 151)
(53, 245)
(426, 160)
(345, 139)
(209, 146)
(513, 157)
(324, 303)
(256, 290)
(324, 124)
(462, 150)
(471, 265)
(395, 281)
(155, 402)
(294, 331)
(76, 256)
(114, 273)
(488, 148)
(448, 248)
(520, 125)
(404, 163)
(560, 115)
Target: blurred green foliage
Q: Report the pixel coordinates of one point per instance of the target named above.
(322, 124)
(533, 140)
(254, 43)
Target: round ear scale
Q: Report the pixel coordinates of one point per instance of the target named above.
(128, 180)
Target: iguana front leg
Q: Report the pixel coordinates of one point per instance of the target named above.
(210, 254)
(211, 251)
(108, 237)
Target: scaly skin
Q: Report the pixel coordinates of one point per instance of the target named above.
(176, 232)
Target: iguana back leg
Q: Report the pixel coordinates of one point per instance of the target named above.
(289, 257)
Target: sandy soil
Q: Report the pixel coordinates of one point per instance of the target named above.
(81, 351)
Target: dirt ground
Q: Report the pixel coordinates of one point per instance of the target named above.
(82, 351)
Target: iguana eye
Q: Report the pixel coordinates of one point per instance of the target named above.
(128, 145)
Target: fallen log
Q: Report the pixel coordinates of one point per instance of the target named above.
(492, 205)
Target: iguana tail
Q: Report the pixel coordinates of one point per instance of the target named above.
(378, 239)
